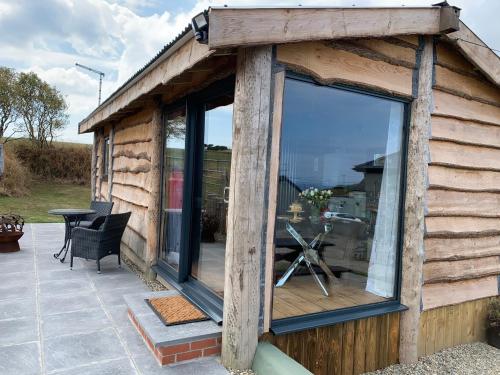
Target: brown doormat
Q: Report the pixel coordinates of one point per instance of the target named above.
(176, 310)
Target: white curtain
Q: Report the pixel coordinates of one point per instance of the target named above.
(382, 267)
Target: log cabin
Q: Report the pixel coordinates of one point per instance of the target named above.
(389, 118)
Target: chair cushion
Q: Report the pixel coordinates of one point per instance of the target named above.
(83, 224)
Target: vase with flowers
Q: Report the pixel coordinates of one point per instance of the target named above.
(317, 200)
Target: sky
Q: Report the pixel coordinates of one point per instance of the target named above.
(118, 37)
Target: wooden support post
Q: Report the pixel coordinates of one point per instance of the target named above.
(153, 215)
(246, 229)
(93, 167)
(414, 227)
(110, 162)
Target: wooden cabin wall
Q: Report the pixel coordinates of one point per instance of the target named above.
(462, 245)
(352, 347)
(131, 180)
(448, 326)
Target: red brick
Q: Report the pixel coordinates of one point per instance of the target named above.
(174, 349)
(202, 344)
(212, 351)
(167, 359)
(188, 355)
(219, 340)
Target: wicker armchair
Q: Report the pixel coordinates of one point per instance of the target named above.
(100, 240)
(100, 208)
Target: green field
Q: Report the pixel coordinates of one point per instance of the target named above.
(45, 196)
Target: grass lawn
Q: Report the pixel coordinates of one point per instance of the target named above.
(45, 196)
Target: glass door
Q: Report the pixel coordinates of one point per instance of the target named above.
(214, 168)
(195, 190)
(174, 157)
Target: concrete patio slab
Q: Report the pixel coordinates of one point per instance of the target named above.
(57, 321)
(21, 359)
(66, 352)
(68, 323)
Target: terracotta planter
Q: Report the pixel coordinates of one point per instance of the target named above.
(493, 336)
(9, 241)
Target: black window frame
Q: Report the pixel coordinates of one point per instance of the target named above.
(326, 318)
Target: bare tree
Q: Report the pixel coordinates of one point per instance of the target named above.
(8, 104)
(42, 109)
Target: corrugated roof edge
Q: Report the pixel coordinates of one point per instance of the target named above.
(167, 47)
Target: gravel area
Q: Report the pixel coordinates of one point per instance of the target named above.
(241, 372)
(476, 359)
(154, 285)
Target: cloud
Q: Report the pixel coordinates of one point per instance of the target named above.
(120, 36)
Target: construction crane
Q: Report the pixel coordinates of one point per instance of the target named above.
(101, 75)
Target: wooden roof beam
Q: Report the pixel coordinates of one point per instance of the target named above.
(232, 27)
(477, 52)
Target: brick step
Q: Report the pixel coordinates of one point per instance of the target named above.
(172, 344)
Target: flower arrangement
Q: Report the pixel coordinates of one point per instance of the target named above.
(315, 197)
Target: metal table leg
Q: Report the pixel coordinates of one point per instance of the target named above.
(310, 256)
(67, 236)
(67, 229)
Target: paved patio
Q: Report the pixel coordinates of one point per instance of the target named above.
(57, 321)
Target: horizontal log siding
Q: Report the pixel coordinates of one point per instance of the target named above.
(462, 245)
(379, 64)
(452, 325)
(131, 181)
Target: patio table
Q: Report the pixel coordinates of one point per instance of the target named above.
(70, 215)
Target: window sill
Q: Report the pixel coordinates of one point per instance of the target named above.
(328, 318)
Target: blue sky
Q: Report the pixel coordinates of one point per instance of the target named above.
(119, 36)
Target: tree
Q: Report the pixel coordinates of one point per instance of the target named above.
(8, 103)
(42, 109)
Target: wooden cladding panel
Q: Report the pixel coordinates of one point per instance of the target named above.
(464, 156)
(449, 293)
(134, 242)
(348, 348)
(457, 226)
(133, 134)
(461, 248)
(129, 165)
(451, 178)
(465, 85)
(447, 104)
(465, 132)
(391, 49)
(137, 221)
(464, 269)
(448, 326)
(448, 56)
(131, 194)
(462, 203)
(139, 180)
(330, 64)
(462, 244)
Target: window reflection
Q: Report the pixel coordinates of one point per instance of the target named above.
(173, 184)
(338, 199)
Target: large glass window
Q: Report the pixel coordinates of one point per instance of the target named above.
(337, 223)
(173, 186)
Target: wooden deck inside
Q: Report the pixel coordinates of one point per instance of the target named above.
(300, 296)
